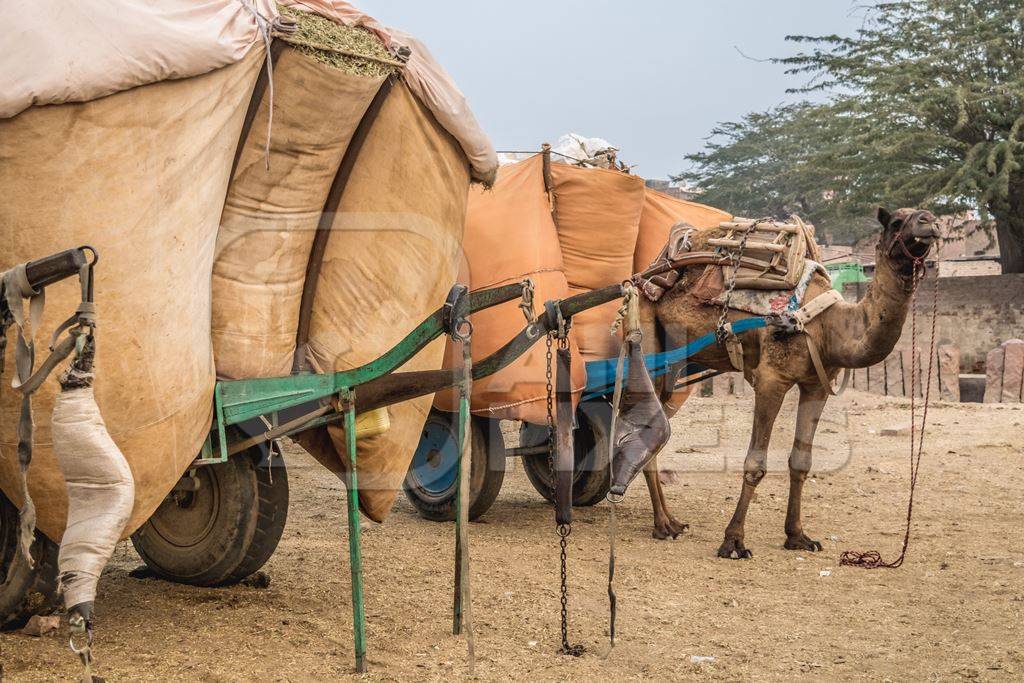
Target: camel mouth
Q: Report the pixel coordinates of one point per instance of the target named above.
(925, 232)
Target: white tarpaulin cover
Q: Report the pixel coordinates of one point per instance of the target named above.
(56, 51)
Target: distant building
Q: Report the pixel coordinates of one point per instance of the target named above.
(674, 188)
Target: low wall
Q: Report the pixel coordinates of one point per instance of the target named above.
(976, 314)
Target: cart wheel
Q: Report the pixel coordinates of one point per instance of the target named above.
(431, 483)
(591, 479)
(220, 525)
(25, 591)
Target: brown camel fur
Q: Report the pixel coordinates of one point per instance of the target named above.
(848, 335)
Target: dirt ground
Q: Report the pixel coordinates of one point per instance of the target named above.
(953, 611)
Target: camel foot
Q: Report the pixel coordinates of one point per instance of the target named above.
(733, 549)
(668, 528)
(801, 542)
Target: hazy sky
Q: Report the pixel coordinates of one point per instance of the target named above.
(651, 76)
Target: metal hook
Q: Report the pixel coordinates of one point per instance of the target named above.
(462, 330)
(526, 305)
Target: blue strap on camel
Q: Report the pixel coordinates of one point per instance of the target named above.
(601, 373)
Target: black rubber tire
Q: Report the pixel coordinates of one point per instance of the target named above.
(272, 513)
(25, 591)
(223, 532)
(487, 470)
(591, 479)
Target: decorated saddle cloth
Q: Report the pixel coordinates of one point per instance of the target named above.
(711, 289)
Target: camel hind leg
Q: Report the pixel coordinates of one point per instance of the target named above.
(665, 525)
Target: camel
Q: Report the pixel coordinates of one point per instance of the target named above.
(849, 335)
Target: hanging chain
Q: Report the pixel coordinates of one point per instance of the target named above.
(737, 257)
(551, 414)
(563, 530)
(80, 626)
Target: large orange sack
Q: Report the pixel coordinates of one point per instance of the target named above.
(660, 213)
(510, 236)
(392, 257)
(141, 176)
(271, 214)
(598, 214)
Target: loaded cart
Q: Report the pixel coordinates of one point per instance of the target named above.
(224, 518)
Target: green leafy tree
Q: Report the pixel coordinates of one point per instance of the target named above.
(924, 107)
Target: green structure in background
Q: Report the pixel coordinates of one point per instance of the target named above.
(841, 273)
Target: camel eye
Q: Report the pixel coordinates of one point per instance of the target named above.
(897, 224)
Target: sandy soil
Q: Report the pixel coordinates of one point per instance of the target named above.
(953, 611)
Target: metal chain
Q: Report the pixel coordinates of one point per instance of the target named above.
(79, 626)
(563, 529)
(737, 257)
(551, 414)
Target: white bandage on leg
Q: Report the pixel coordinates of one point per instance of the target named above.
(101, 492)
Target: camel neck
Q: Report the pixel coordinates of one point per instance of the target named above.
(863, 334)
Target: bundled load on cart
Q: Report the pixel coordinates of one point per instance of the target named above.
(311, 164)
(572, 221)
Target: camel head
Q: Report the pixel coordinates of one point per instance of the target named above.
(907, 236)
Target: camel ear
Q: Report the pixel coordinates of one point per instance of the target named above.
(883, 216)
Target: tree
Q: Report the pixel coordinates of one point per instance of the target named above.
(778, 163)
(924, 107)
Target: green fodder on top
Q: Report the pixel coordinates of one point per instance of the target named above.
(338, 45)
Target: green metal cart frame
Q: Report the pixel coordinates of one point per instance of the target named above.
(377, 384)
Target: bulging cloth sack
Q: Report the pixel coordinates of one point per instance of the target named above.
(391, 259)
(510, 236)
(660, 213)
(270, 216)
(598, 213)
(141, 176)
(100, 489)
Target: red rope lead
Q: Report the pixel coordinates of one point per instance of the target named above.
(872, 559)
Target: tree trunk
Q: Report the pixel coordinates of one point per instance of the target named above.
(1009, 215)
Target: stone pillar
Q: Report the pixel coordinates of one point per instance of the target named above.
(721, 385)
(1013, 371)
(948, 371)
(876, 379)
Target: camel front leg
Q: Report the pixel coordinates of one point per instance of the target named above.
(812, 403)
(768, 398)
(665, 525)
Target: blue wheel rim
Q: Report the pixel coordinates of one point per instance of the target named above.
(433, 472)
